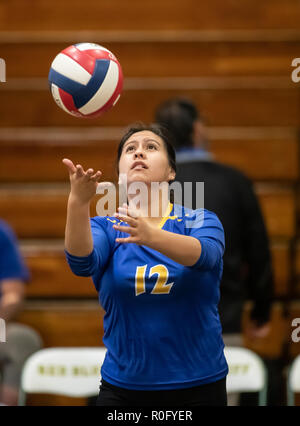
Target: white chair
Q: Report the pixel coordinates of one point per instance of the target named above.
(293, 381)
(247, 372)
(73, 372)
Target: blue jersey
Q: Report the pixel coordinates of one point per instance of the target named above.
(161, 323)
(12, 265)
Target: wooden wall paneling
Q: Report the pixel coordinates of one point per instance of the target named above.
(155, 58)
(40, 212)
(177, 15)
(231, 102)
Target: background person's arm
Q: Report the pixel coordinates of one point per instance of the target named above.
(12, 298)
(14, 274)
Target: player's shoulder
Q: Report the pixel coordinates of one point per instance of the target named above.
(201, 215)
(188, 212)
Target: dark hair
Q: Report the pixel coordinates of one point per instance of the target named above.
(157, 129)
(178, 116)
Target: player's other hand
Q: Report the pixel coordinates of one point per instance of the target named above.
(83, 183)
(140, 229)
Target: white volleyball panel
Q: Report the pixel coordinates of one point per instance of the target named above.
(70, 69)
(105, 92)
(91, 46)
(57, 98)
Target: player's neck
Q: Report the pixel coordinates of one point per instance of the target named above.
(155, 210)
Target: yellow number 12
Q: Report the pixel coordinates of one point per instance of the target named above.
(161, 286)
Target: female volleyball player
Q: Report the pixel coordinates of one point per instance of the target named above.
(158, 282)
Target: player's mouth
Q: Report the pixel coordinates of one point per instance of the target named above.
(139, 165)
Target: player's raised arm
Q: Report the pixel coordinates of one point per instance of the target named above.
(78, 236)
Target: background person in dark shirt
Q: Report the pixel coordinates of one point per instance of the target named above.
(247, 272)
(21, 340)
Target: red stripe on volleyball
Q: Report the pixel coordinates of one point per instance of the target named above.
(68, 102)
(81, 57)
(100, 54)
(112, 99)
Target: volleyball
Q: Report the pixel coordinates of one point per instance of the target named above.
(85, 80)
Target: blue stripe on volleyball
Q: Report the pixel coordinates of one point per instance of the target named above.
(87, 92)
(65, 83)
(81, 93)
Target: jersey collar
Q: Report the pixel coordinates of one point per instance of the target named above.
(166, 215)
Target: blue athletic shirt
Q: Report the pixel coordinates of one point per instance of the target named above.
(12, 265)
(161, 324)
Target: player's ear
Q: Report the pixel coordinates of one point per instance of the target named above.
(172, 174)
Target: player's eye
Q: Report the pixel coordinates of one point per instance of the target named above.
(151, 146)
(129, 148)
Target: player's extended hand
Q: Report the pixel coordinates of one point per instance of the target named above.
(140, 229)
(83, 183)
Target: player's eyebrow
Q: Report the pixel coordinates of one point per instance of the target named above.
(151, 140)
(144, 140)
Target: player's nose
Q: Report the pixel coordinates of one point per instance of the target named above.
(139, 153)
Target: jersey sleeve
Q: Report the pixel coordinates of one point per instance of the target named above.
(12, 265)
(207, 228)
(93, 264)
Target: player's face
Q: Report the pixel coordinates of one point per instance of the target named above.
(144, 159)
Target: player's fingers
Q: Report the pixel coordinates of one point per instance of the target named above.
(89, 173)
(132, 211)
(125, 240)
(122, 211)
(128, 211)
(96, 176)
(130, 220)
(79, 171)
(126, 229)
(70, 165)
